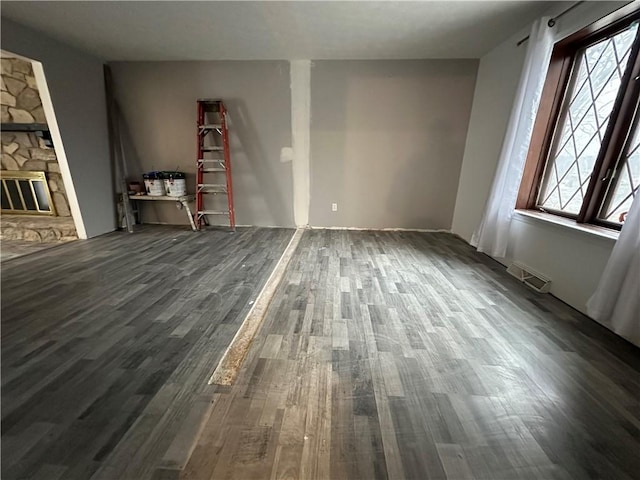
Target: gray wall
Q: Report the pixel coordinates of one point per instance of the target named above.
(387, 141)
(76, 85)
(495, 91)
(158, 100)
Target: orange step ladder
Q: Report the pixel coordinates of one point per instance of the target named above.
(214, 161)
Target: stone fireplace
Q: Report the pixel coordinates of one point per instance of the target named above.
(26, 147)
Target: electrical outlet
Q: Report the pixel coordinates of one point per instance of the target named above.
(334, 207)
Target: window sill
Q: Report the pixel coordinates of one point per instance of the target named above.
(563, 222)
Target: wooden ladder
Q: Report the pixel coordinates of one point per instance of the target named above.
(214, 161)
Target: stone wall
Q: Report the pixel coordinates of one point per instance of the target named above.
(20, 98)
(25, 151)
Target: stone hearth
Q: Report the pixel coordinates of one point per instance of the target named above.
(34, 228)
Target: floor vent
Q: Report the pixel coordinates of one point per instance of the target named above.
(530, 277)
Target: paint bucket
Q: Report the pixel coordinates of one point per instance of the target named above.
(175, 184)
(154, 184)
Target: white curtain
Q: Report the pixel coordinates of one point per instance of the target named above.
(616, 302)
(492, 234)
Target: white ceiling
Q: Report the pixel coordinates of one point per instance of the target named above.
(176, 30)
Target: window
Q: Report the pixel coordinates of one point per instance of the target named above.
(584, 158)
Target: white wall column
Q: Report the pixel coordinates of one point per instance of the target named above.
(52, 122)
(300, 72)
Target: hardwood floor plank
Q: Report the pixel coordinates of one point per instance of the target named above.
(437, 364)
(113, 343)
(382, 355)
(453, 461)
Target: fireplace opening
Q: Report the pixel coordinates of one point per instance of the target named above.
(25, 193)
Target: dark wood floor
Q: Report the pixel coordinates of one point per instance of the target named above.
(408, 355)
(383, 355)
(107, 346)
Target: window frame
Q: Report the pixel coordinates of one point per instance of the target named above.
(616, 138)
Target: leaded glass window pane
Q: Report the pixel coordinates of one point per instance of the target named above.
(584, 118)
(626, 183)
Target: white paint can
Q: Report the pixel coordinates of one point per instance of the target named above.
(153, 184)
(175, 184)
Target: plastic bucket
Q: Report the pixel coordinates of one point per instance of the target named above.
(154, 184)
(175, 184)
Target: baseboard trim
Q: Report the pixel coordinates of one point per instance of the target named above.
(367, 229)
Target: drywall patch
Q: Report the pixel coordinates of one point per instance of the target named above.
(286, 154)
(300, 73)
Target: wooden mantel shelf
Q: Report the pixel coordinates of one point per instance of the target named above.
(25, 127)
